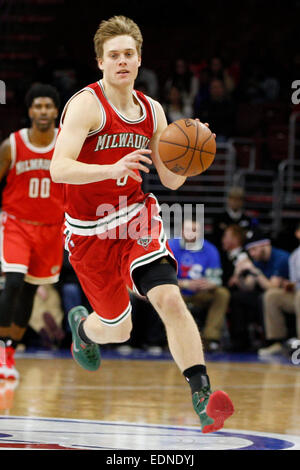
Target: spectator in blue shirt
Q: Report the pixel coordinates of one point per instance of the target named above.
(200, 281)
(267, 267)
(280, 300)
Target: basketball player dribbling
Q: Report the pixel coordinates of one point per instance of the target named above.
(107, 135)
(32, 218)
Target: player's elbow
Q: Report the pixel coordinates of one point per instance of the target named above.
(172, 186)
(55, 173)
(173, 183)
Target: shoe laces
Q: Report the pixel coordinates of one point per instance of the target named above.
(202, 395)
(90, 352)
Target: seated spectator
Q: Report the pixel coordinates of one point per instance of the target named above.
(233, 240)
(216, 70)
(261, 82)
(45, 326)
(234, 213)
(184, 80)
(147, 79)
(268, 269)
(200, 281)
(218, 110)
(175, 107)
(251, 90)
(203, 88)
(280, 300)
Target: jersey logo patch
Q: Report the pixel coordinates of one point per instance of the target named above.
(54, 269)
(145, 241)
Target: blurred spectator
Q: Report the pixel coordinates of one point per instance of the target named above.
(261, 82)
(62, 71)
(202, 94)
(233, 251)
(142, 86)
(280, 300)
(66, 82)
(2, 279)
(46, 319)
(217, 71)
(200, 281)
(270, 84)
(175, 107)
(149, 81)
(234, 213)
(251, 90)
(70, 289)
(268, 269)
(184, 80)
(218, 110)
(234, 70)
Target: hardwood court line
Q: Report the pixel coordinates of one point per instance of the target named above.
(292, 369)
(154, 387)
(262, 386)
(106, 387)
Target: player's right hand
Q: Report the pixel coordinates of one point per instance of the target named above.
(126, 165)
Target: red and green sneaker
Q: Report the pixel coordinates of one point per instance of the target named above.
(86, 355)
(212, 408)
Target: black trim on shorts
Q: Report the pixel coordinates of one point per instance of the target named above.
(158, 272)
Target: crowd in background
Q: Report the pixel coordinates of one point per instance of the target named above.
(212, 89)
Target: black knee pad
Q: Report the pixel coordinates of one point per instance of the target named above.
(9, 297)
(24, 305)
(159, 272)
(13, 283)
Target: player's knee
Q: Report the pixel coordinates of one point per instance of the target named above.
(174, 303)
(171, 305)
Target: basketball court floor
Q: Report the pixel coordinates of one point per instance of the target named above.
(140, 402)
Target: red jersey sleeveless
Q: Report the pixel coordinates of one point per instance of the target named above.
(29, 193)
(117, 137)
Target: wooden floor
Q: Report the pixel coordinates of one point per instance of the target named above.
(266, 396)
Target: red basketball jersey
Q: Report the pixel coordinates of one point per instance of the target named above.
(29, 193)
(117, 137)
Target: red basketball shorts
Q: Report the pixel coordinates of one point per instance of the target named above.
(105, 260)
(34, 250)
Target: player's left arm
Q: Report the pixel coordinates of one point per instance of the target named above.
(5, 157)
(167, 178)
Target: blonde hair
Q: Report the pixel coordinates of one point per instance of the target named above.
(117, 26)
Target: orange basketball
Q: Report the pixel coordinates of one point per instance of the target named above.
(187, 147)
